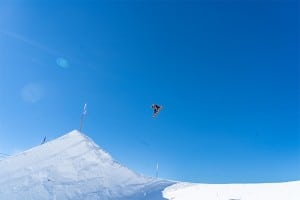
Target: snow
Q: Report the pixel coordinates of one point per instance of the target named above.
(73, 167)
(258, 191)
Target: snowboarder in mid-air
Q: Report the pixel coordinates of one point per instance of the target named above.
(156, 108)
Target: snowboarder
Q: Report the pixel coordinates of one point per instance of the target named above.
(156, 108)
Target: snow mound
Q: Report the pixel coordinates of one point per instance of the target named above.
(262, 191)
(73, 167)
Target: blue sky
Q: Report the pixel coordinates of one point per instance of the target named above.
(226, 72)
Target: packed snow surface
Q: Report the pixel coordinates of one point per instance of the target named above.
(258, 191)
(73, 167)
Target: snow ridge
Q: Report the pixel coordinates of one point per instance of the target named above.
(73, 167)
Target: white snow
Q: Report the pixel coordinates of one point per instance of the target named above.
(73, 167)
(258, 191)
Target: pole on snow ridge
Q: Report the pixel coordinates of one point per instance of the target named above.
(44, 140)
(156, 170)
(82, 117)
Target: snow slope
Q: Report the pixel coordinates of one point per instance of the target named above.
(73, 167)
(265, 191)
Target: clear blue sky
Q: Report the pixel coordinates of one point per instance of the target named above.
(226, 72)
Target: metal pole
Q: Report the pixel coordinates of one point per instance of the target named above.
(157, 170)
(82, 117)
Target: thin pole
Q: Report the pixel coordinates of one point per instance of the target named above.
(82, 117)
(44, 140)
(156, 170)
